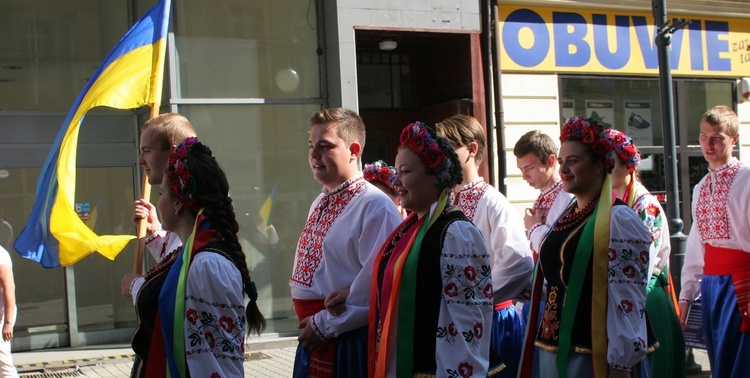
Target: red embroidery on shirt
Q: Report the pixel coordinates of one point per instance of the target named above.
(711, 211)
(469, 196)
(310, 246)
(544, 202)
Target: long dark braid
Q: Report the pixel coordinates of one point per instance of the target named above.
(212, 193)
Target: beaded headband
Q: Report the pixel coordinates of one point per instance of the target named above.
(433, 151)
(625, 149)
(381, 172)
(593, 135)
(181, 183)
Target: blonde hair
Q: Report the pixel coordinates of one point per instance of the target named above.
(348, 125)
(170, 128)
(460, 130)
(722, 115)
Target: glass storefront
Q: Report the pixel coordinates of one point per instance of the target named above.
(260, 147)
(633, 106)
(248, 77)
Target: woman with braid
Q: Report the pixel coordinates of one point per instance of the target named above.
(191, 309)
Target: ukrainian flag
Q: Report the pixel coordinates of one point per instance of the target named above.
(129, 77)
(266, 210)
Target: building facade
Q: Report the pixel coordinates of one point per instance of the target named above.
(248, 74)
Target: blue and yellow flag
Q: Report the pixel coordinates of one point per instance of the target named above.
(266, 210)
(130, 77)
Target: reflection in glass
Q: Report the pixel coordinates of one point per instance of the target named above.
(244, 47)
(629, 105)
(258, 147)
(101, 306)
(701, 96)
(41, 300)
(50, 48)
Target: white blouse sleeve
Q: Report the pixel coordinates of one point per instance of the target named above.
(626, 290)
(159, 244)
(465, 320)
(655, 219)
(214, 317)
(695, 251)
(512, 262)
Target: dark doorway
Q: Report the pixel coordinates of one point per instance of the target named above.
(427, 77)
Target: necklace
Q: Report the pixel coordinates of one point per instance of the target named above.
(574, 216)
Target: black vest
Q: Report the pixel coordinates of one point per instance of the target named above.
(430, 291)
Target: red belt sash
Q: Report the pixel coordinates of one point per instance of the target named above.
(503, 305)
(321, 360)
(722, 261)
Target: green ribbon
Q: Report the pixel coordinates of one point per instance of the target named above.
(408, 296)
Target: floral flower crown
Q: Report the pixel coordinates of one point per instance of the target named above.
(433, 151)
(592, 134)
(181, 183)
(625, 149)
(380, 171)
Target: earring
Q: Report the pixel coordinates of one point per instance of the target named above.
(176, 213)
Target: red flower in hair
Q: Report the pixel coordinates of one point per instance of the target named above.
(588, 134)
(434, 156)
(567, 131)
(600, 147)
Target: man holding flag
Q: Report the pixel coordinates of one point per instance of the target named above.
(129, 77)
(159, 137)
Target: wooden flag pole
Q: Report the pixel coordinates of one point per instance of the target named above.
(145, 194)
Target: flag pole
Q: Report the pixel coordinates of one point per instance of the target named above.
(145, 194)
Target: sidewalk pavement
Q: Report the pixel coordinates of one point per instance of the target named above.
(264, 358)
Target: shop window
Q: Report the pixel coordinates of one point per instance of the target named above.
(633, 106)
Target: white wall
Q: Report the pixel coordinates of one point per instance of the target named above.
(530, 102)
(343, 16)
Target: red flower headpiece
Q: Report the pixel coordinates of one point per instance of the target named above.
(380, 171)
(625, 149)
(594, 135)
(181, 183)
(433, 151)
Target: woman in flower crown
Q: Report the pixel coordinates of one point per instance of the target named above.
(191, 310)
(432, 283)
(594, 266)
(668, 360)
(382, 175)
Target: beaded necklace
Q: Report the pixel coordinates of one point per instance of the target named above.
(573, 215)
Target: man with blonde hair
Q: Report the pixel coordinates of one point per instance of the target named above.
(159, 136)
(492, 213)
(717, 253)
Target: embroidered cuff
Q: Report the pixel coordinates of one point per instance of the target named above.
(154, 235)
(316, 329)
(533, 228)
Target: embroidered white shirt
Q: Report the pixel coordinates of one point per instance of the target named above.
(551, 203)
(721, 217)
(504, 236)
(343, 257)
